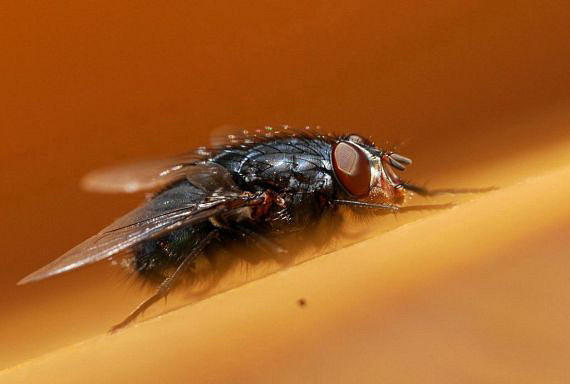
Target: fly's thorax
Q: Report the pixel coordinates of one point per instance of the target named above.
(293, 163)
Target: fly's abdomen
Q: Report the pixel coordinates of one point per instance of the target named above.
(155, 257)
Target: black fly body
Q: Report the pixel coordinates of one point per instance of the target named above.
(256, 186)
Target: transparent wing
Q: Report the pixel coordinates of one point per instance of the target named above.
(184, 204)
(139, 176)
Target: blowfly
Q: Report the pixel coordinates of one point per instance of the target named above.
(255, 186)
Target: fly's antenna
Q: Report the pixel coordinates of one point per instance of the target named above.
(398, 161)
(362, 204)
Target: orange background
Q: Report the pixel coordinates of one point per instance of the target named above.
(460, 85)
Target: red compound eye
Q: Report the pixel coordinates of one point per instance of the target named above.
(352, 168)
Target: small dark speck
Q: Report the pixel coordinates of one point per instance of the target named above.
(302, 302)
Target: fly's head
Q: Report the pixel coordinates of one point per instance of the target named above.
(367, 174)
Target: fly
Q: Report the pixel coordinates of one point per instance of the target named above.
(256, 186)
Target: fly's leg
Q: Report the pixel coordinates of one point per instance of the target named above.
(268, 199)
(168, 283)
(364, 204)
(436, 192)
(259, 240)
(262, 241)
(429, 207)
(260, 207)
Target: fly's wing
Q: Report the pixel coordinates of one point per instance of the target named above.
(184, 204)
(139, 176)
(154, 174)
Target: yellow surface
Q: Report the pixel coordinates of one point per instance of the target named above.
(477, 93)
(407, 305)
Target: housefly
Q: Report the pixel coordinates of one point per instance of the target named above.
(255, 186)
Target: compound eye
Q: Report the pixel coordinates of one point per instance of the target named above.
(352, 168)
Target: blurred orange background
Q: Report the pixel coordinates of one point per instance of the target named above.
(458, 85)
